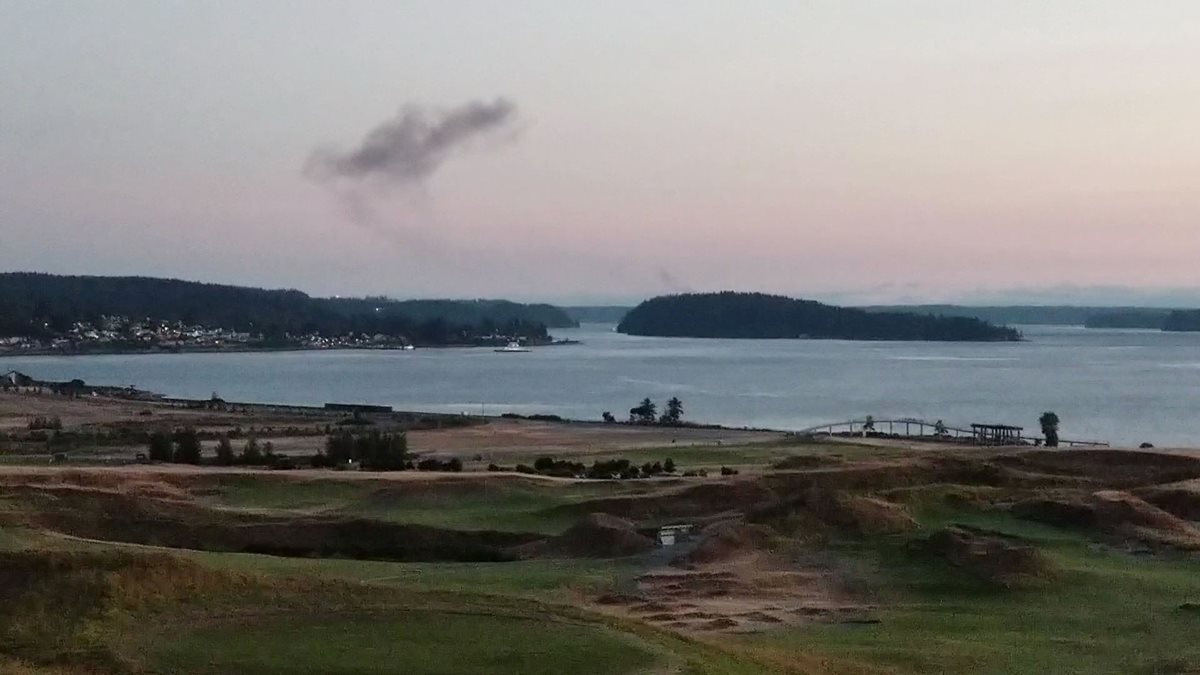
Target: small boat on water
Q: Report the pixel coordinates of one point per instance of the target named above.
(513, 346)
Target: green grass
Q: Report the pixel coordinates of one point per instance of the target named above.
(428, 642)
(530, 578)
(1107, 612)
(477, 503)
(262, 492)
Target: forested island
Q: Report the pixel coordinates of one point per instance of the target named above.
(757, 315)
(88, 314)
(1183, 320)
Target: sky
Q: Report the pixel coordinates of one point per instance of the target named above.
(607, 151)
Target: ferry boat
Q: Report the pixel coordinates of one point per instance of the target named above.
(513, 346)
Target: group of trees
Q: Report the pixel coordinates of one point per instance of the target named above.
(183, 446)
(757, 315)
(42, 305)
(600, 469)
(375, 451)
(646, 412)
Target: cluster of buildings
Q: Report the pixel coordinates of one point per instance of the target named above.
(118, 333)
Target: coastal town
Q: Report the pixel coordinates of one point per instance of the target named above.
(111, 334)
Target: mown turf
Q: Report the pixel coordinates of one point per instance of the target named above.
(428, 642)
(465, 503)
(530, 578)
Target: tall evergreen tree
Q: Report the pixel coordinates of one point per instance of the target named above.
(1049, 423)
(187, 446)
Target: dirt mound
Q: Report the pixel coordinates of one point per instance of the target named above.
(156, 486)
(840, 511)
(1179, 500)
(882, 475)
(117, 516)
(599, 535)
(864, 515)
(1116, 513)
(1108, 468)
(726, 541)
(994, 558)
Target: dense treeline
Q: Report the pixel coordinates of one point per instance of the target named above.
(1128, 318)
(1184, 320)
(34, 304)
(756, 315)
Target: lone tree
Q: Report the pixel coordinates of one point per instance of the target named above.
(160, 447)
(251, 453)
(939, 429)
(645, 413)
(187, 446)
(225, 456)
(1049, 422)
(674, 411)
(869, 424)
(608, 417)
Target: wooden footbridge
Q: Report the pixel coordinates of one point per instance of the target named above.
(979, 434)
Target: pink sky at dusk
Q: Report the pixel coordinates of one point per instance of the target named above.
(873, 151)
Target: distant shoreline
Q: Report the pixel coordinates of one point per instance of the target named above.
(265, 350)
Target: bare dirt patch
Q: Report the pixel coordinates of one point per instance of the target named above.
(732, 582)
(599, 535)
(751, 593)
(994, 558)
(1118, 514)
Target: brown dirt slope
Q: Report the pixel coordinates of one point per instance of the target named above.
(599, 535)
(1118, 514)
(996, 559)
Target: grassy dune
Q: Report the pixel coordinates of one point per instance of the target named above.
(1108, 598)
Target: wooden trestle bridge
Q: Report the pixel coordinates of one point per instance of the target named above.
(980, 434)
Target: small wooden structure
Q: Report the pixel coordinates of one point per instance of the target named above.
(996, 434)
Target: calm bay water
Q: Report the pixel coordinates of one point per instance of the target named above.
(1120, 386)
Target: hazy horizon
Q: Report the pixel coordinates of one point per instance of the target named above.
(866, 152)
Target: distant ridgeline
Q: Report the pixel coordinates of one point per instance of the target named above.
(1129, 318)
(597, 313)
(1056, 315)
(33, 305)
(755, 315)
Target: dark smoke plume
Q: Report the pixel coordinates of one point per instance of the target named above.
(411, 146)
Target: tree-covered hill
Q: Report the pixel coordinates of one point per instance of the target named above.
(756, 315)
(34, 304)
(1184, 320)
